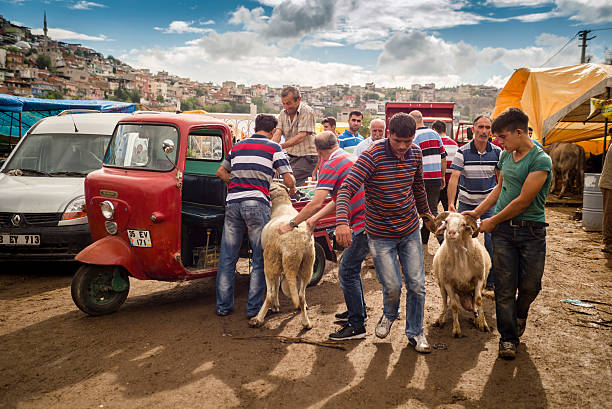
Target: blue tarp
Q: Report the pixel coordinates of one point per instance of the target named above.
(33, 109)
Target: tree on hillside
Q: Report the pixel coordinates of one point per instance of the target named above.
(191, 104)
(53, 94)
(43, 62)
(160, 98)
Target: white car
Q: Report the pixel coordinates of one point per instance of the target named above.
(42, 213)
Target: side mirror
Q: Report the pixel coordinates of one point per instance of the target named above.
(168, 146)
(470, 133)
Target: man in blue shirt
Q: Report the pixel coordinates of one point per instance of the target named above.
(350, 138)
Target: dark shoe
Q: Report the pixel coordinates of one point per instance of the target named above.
(223, 313)
(521, 323)
(607, 250)
(348, 332)
(507, 350)
(343, 317)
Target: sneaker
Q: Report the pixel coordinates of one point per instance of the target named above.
(383, 327)
(343, 317)
(521, 323)
(420, 343)
(223, 313)
(507, 350)
(348, 332)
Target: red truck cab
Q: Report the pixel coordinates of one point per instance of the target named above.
(432, 111)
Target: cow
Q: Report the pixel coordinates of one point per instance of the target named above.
(568, 166)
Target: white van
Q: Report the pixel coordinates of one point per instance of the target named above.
(42, 213)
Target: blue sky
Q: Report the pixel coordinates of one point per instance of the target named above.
(318, 42)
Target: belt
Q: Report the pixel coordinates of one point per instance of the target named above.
(524, 223)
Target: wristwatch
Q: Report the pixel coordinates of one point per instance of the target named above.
(292, 224)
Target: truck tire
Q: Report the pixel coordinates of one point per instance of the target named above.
(92, 288)
(319, 265)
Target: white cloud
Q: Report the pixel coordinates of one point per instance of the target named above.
(497, 81)
(515, 3)
(320, 43)
(182, 27)
(417, 54)
(370, 45)
(61, 34)
(207, 22)
(587, 11)
(86, 5)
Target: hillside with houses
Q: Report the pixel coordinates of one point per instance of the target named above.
(36, 66)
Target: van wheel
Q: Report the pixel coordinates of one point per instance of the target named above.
(319, 265)
(99, 290)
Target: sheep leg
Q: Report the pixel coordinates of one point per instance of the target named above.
(440, 321)
(455, 302)
(479, 317)
(257, 321)
(303, 307)
(564, 183)
(276, 304)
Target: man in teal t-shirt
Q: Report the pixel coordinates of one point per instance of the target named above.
(518, 227)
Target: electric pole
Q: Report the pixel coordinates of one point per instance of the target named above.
(583, 36)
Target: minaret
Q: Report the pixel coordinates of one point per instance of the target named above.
(45, 29)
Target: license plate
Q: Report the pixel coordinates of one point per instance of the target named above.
(19, 240)
(140, 238)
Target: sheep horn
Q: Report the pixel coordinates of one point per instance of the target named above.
(439, 222)
(472, 223)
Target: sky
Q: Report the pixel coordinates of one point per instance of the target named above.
(392, 43)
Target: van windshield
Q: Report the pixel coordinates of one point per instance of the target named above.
(57, 155)
(141, 147)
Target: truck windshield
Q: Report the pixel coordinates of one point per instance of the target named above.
(57, 155)
(141, 147)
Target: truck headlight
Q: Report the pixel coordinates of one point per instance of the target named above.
(75, 212)
(107, 209)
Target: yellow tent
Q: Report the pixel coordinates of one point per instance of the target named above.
(554, 100)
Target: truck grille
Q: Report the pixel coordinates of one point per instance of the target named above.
(31, 219)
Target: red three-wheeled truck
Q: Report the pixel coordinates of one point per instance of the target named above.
(156, 209)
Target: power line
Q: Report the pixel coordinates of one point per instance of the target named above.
(561, 49)
(602, 29)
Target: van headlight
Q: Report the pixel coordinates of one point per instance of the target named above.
(107, 209)
(75, 212)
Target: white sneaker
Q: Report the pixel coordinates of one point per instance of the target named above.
(420, 343)
(383, 327)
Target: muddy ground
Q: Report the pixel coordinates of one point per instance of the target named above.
(167, 348)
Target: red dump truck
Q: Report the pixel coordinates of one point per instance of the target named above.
(431, 111)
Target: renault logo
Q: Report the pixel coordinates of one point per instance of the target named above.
(15, 220)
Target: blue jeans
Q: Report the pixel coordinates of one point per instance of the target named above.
(250, 215)
(487, 237)
(518, 261)
(385, 253)
(349, 275)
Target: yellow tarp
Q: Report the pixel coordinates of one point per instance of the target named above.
(543, 92)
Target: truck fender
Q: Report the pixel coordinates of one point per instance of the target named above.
(322, 237)
(112, 250)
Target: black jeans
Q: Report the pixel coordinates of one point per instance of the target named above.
(519, 254)
(433, 197)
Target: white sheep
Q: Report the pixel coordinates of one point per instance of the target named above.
(461, 265)
(289, 257)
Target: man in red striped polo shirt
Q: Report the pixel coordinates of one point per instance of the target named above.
(392, 174)
(336, 165)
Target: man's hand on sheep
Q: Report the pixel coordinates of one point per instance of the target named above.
(487, 226)
(429, 222)
(344, 235)
(284, 228)
(311, 223)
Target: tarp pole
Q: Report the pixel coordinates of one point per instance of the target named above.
(20, 125)
(11, 132)
(603, 157)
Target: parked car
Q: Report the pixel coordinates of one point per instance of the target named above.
(42, 214)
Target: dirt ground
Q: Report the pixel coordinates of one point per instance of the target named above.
(167, 348)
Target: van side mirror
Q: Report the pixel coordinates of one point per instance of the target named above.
(470, 133)
(168, 148)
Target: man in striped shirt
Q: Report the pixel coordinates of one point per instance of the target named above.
(335, 168)
(474, 170)
(248, 170)
(450, 147)
(434, 165)
(350, 138)
(392, 174)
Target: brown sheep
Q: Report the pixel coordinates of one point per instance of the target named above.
(289, 257)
